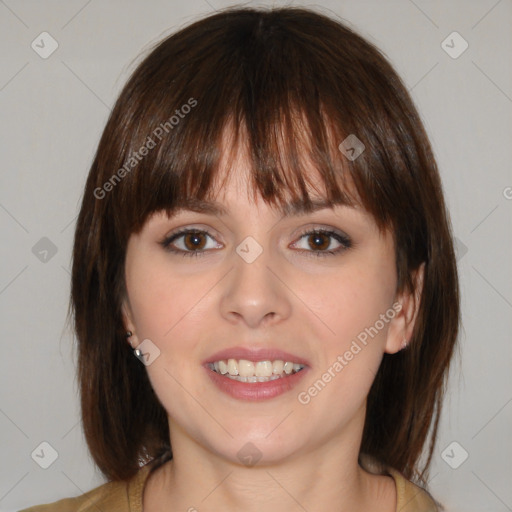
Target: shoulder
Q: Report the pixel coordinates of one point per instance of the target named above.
(409, 496)
(122, 496)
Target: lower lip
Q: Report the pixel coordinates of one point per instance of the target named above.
(255, 391)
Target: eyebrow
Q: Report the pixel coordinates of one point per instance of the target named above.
(288, 210)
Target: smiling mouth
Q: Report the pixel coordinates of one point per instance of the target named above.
(243, 370)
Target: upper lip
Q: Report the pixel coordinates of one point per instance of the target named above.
(255, 354)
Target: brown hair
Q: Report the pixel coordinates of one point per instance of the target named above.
(297, 83)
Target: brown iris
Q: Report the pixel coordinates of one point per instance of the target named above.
(318, 241)
(194, 241)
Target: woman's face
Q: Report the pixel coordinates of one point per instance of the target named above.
(254, 286)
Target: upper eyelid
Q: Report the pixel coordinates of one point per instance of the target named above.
(185, 231)
(208, 230)
(190, 228)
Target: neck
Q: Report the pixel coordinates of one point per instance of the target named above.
(310, 479)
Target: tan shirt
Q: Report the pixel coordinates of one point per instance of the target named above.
(127, 497)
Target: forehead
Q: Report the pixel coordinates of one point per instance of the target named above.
(221, 208)
(235, 179)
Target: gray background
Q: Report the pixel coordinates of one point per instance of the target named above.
(53, 111)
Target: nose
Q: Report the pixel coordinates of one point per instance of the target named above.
(254, 294)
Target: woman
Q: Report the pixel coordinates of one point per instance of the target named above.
(263, 226)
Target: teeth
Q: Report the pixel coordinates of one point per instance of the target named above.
(252, 379)
(232, 367)
(263, 369)
(288, 367)
(277, 367)
(223, 367)
(245, 368)
(260, 371)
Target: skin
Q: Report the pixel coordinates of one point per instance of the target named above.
(314, 307)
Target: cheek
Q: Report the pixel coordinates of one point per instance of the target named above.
(161, 300)
(169, 310)
(356, 311)
(354, 301)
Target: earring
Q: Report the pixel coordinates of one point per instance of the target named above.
(136, 351)
(404, 344)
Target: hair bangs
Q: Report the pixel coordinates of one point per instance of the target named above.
(284, 123)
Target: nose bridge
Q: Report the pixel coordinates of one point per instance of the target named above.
(253, 294)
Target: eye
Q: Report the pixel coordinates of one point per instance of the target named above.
(195, 242)
(189, 242)
(323, 242)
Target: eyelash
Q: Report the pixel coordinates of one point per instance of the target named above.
(344, 240)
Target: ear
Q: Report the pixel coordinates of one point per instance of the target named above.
(406, 306)
(128, 323)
